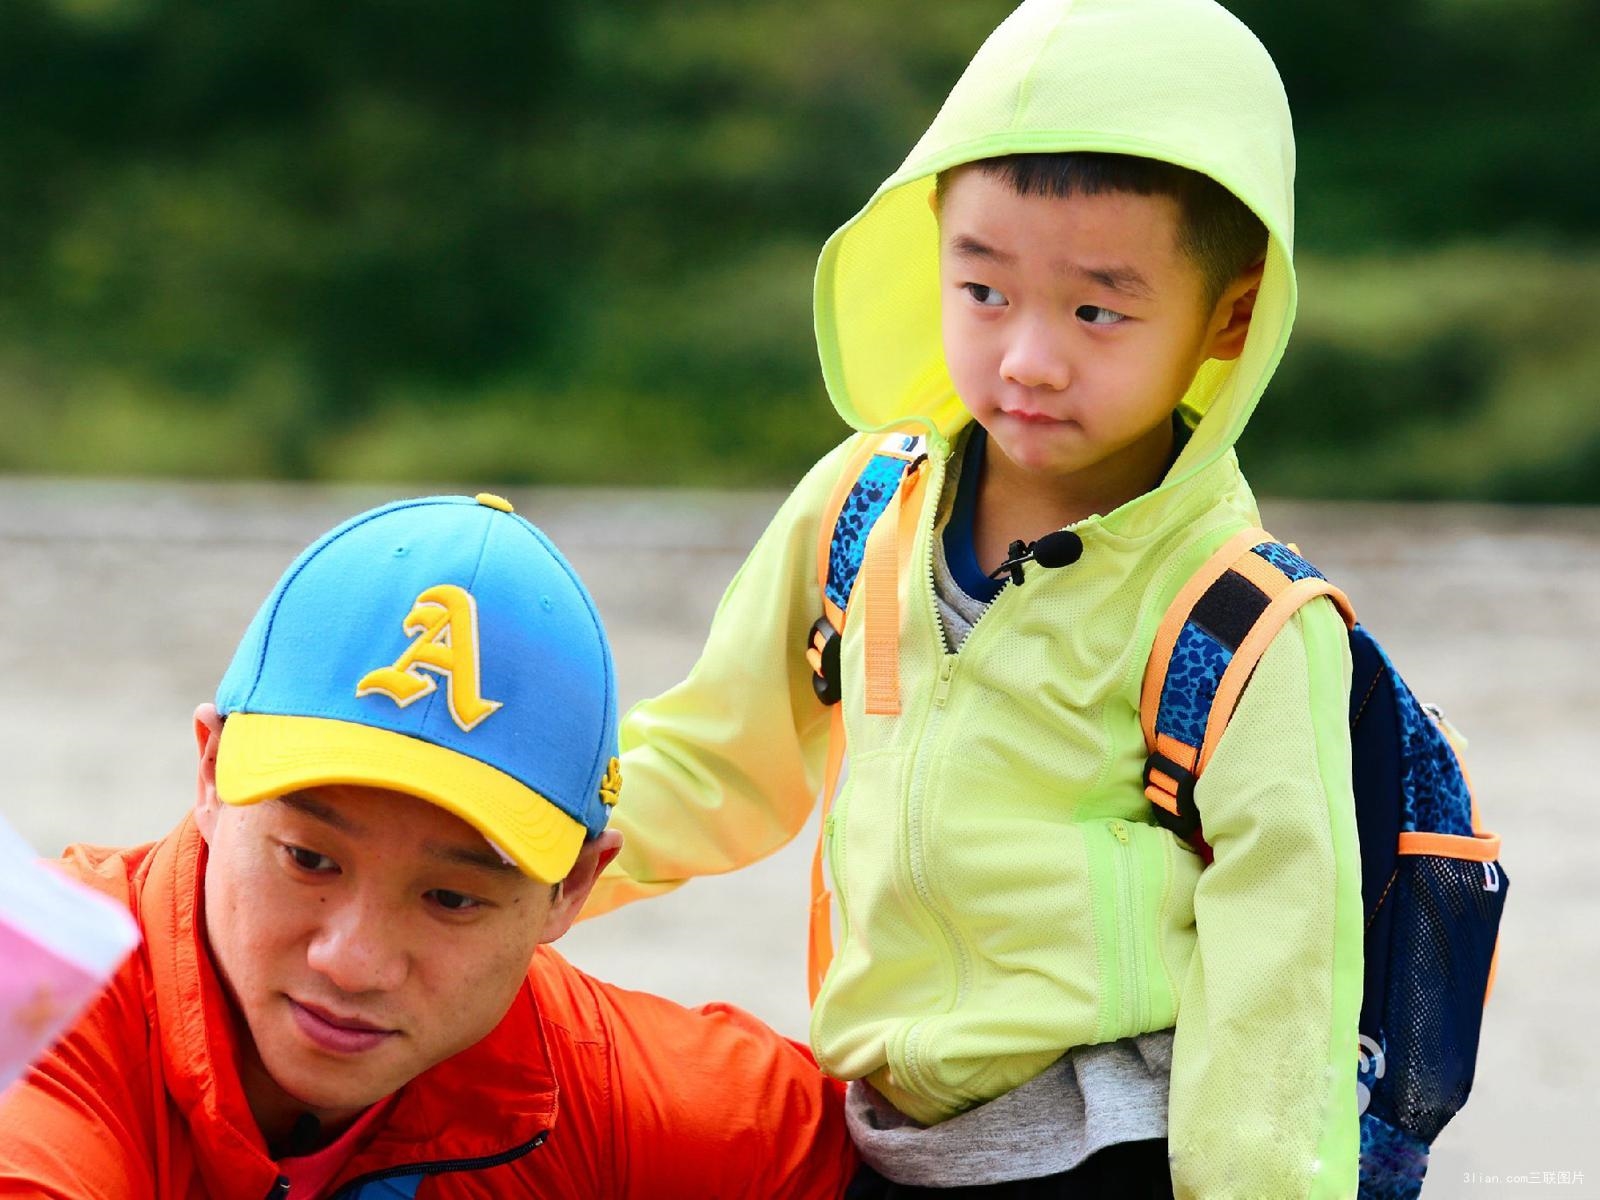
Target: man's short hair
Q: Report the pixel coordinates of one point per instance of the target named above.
(1220, 235)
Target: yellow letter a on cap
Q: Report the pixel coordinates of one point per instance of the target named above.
(444, 626)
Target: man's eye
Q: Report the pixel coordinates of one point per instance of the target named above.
(310, 860)
(455, 902)
(985, 295)
(1093, 314)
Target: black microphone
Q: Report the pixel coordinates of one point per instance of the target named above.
(1059, 549)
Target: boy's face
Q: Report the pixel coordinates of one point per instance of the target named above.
(1073, 326)
(364, 936)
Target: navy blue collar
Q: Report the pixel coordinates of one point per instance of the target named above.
(959, 551)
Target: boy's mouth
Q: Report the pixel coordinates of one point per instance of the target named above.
(1028, 417)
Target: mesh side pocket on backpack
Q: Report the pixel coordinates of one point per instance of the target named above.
(1444, 918)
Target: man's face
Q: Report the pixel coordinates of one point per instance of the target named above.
(1072, 326)
(364, 936)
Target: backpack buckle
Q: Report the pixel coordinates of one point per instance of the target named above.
(822, 652)
(1170, 790)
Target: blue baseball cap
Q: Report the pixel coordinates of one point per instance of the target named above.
(442, 648)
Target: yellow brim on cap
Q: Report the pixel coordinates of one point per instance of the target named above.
(262, 755)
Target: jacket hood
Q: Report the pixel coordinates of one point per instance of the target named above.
(1179, 80)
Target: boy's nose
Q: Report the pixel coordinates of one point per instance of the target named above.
(1035, 359)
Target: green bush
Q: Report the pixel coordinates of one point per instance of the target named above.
(573, 243)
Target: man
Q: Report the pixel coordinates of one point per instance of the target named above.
(403, 793)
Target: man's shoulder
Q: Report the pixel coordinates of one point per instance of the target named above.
(108, 869)
(565, 998)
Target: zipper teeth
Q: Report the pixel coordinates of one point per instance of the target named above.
(1141, 983)
(932, 717)
(1125, 1000)
(1128, 922)
(443, 1166)
(935, 487)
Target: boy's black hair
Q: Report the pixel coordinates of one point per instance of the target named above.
(1217, 231)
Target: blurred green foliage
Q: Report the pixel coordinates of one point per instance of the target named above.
(524, 242)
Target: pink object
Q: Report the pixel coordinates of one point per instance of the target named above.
(59, 943)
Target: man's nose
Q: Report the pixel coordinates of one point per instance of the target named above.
(1036, 357)
(360, 948)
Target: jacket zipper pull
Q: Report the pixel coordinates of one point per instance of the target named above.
(947, 672)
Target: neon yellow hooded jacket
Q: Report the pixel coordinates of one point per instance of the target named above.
(1002, 896)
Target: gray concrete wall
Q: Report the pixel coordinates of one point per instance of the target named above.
(122, 604)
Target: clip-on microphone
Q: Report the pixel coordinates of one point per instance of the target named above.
(1059, 549)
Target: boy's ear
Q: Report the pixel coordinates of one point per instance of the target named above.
(1230, 319)
(207, 736)
(595, 857)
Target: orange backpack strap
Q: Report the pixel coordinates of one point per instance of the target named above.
(1213, 635)
(879, 484)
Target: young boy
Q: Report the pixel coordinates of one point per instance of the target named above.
(1077, 286)
(403, 792)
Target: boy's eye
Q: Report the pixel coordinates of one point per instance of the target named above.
(1093, 314)
(455, 902)
(310, 860)
(985, 295)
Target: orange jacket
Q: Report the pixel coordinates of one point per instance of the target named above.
(583, 1090)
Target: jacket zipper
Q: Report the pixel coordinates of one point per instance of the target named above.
(1136, 1002)
(836, 860)
(933, 717)
(441, 1167)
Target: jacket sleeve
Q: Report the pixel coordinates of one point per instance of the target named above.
(1263, 1098)
(72, 1129)
(710, 1103)
(724, 768)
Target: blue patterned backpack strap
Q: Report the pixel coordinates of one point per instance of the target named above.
(868, 488)
(1213, 634)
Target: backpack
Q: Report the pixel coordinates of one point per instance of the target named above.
(1432, 886)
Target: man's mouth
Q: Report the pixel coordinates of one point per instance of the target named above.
(335, 1032)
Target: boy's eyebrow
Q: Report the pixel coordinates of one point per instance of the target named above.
(1123, 280)
(970, 247)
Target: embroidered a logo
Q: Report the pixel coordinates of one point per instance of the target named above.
(443, 624)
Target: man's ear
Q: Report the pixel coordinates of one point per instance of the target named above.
(595, 856)
(1230, 319)
(207, 736)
